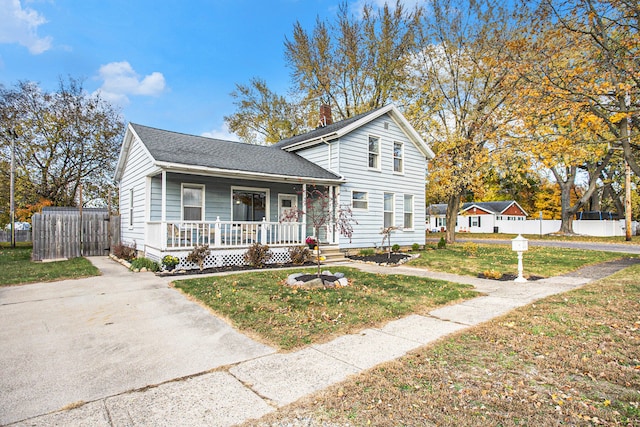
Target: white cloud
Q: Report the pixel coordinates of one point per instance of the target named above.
(21, 26)
(223, 133)
(120, 80)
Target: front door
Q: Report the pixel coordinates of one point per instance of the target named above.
(288, 214)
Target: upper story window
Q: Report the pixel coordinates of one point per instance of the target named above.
(192, 202)
(360, 200)
(398, 157)
(374, 152)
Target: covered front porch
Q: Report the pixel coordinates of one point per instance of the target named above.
(182, 209)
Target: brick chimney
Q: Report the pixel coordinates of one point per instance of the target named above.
(325, 115)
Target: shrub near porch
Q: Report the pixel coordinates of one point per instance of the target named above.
(288, 317)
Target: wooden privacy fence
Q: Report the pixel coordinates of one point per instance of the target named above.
(64, 235)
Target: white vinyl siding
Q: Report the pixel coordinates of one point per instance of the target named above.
(408, 212)
(353, 149)
(134, 177)
(388, 203)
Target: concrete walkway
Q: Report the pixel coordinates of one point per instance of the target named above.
(261, 383)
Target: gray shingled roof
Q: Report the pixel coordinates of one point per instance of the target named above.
(322, 131)
(191, 150)
(494, 207)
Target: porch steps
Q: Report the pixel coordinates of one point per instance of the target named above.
(332, 255)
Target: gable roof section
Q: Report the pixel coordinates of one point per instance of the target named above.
(180, 151)
(343, 127)
(495, 208)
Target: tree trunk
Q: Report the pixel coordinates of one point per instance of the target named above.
(453, 206)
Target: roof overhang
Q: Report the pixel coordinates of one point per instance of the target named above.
(390, 109)
(227, 173)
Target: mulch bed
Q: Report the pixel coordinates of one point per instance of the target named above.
(231, 268)
(381, 258)
(509, 277)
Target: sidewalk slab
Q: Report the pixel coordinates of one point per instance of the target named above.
(285, 378)
(421, 329)
(93, 414)
(215, 399)
(367, 348)
(477, 310)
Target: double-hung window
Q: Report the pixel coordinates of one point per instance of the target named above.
(408, 211)
(192, 202)
(388, 210)
(374, 152)
(359, 200)
(398, 157)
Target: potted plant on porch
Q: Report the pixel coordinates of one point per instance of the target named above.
(311, 241)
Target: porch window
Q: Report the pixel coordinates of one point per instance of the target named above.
(408, 211)
(398, 156)
(192, 202)
(249, 205)
(360, 200)
(374, 152)
(388, 210)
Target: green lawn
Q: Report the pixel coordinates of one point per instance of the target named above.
(538, 261)
(261, 304)
(569, 359)
(16, 267)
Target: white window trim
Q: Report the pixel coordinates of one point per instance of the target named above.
(393, 158)
(262, 190)
(393, 208)
(131, 208)
(379, 165)
(189, 185)
(413, 212)
(366, 200)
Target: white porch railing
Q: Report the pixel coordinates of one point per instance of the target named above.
(223, 234)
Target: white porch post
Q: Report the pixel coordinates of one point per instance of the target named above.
(263, 231)
(163, 212)
(331, 227)
(304, 211)
(217, 237)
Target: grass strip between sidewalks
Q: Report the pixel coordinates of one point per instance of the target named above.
(471, 259)
(570, 359)
(261, 304)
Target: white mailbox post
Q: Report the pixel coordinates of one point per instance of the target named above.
(520, 245)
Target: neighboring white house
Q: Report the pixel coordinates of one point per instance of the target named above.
(477, 217)
(179, 190)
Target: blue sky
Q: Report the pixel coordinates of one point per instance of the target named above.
(168, 64)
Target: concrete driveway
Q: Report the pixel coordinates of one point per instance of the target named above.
(66, 342)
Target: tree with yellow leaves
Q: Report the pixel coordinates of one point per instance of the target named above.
(459, 90)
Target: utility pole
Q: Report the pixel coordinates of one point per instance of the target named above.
(12, 207)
